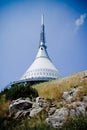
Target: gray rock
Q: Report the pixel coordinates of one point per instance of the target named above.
(35, 105)
(41, 102)
(58, 118)
(80, 110)
(51, 111)
(20, 104)
(85, 99)
(72, 113)
(34, 111)
(24, 107)
(65, 95)
(68, 96)
(38, 99)
(20, 114)
(77, 108)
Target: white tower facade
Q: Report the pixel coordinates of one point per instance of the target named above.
(42, 69)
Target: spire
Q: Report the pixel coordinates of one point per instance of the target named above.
(42, 34)
(42, 19)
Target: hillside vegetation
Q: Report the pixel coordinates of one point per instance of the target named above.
(14, 92)
(52, 91)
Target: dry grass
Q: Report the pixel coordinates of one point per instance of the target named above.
(54, 89)
(4, 106)
(83, 91)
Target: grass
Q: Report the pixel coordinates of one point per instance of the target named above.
(76, 123)
(54, 89)
(83, 91)
(36, 123)
(4, 106)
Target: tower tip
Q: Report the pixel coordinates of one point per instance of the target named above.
(42, 19)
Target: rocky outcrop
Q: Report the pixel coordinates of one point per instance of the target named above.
(25, 107)
(70, 107)
(85, 98)
(70, 95)
(77, 108)
(58, 118)
(20, 104)
(35, 111)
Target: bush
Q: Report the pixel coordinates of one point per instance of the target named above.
(76, 123)
(3, 92)
(9, 124)
(21, 90)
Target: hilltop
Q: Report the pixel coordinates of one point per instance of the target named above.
(57, 104)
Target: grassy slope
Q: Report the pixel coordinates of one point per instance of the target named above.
(54, 89)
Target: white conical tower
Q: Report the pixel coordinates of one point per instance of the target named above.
(42, 69)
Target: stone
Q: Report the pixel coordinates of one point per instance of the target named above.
(18, 114)
(22, 113)
(34, 111)
(68, 96)
(65, 94)
(77, 108)
(58, 118)
(35, 105)
(41, 102)
(72, 113)
(51, 111)
(23, 107)
(38, 99)
(80, 110)
(20, 104)
(85, 99)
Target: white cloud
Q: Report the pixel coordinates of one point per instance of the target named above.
(80, 21)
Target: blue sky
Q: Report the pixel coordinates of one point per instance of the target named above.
(65, 30)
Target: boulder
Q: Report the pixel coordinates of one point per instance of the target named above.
(51, 110)
(69, 95)
(20, 104)
(34, 111)
(77, 108)
(85, 98)
(23, 107)
(22, 113)
(41, 102)
(58, 118)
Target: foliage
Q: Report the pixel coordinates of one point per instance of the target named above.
(38, 123)
(4, 106)
(12, 93)
(8, 123)
(76, 123)
(21, 90)
(3, 92)
(35, 123)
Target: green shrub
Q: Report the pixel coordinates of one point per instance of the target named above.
(21, 90)
(8, 123)
(3, 92)
(76, 123)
